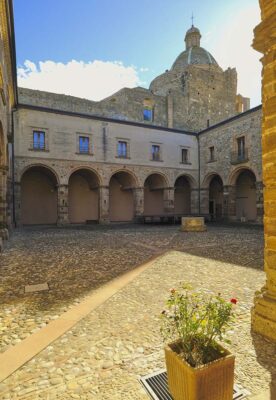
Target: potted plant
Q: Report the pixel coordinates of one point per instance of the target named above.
(198, 367)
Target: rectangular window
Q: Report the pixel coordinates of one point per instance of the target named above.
(84, 144)
(184, 156)
(212, 153)
(241, 147)
(148, 114)
(38, 140)
(155, 152)
(122, 149)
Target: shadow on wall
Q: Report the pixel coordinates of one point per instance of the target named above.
(266, 356)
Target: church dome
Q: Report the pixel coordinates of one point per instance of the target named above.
(194, 54)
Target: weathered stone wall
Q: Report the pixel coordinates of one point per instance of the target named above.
(7, 102)
(226, 162)
(264, 312)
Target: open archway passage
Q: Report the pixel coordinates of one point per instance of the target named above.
(216, 198)
(182, 196)
(121, 199)
(83, 197)
(154, 195)
(38, 197)
(246, 206)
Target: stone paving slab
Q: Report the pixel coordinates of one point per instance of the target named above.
(104, 354)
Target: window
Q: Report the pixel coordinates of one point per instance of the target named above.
(241, 147)
(212, 153)
(83, 144)
(148, 114)
(184, 156)
(38, 140)
(122, 149)
(155, 152)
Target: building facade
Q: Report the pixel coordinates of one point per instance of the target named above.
(188, 145)
(8, 100)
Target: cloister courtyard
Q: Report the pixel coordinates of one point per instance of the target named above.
(102, 351)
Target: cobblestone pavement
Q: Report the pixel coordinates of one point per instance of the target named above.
(75, 261)
(102, 356)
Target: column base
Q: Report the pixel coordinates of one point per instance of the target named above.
(264, 315)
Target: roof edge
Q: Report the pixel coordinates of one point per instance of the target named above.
(104, 119)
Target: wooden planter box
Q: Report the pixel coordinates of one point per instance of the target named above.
(212, 381)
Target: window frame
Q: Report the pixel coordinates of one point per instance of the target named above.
(187, 160)
(122, 140)
(152, 158)
(37, 145)
(211, 155)
(81, 150)
(90, 144)
(150, 110)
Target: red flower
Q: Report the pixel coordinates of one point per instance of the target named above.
(234, 301)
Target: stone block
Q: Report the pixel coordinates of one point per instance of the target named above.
(36, 288)
(193, 224)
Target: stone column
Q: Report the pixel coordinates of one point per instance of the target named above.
(170, 110)
(3, 197)
(17, 204)
(63, 216)
(138, 195)
(229, 203)
(104, 205)
(168, 200)
(204, 201)
(194, 202)
(260, 201)
(264, 311)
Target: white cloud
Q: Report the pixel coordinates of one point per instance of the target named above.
(94, 80)
(232, 47)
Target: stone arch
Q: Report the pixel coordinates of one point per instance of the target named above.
(207, 179)
(182, 194)
(39, 195)
(121, 196)
(39, 165)
(234, 174)
(87, 168)
(83, 196)
(215, 197)
(129, 172)
(154, 186)
(246, 197)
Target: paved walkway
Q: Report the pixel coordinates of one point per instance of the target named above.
(103, 355)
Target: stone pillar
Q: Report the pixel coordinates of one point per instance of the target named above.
(63, 216)
(260, 201)
(264, 311)
(138, 194)
(17, 203)
(229, 203)
(3, 197)
(170, 110)
(104, 205)
(204, 201)
(194, 202)
(169, 200)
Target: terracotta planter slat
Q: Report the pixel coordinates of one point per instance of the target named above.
(213, 381)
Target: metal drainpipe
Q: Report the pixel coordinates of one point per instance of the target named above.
(198, 149)
(13, 175)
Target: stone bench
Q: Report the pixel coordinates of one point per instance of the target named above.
(193, 224)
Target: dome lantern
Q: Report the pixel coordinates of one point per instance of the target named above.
(192, 38)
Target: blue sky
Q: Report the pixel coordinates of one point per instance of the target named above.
(134, 40)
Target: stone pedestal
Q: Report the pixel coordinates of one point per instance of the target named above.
(169, 200)
(193, 224)
(63, 217)
(104, 205)
(138, 194)
(264, 311)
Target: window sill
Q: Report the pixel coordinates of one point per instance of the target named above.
(43, 150)
(211, 161)
(84, 154)
(185, 163)
(122, 158)
(156, 160)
